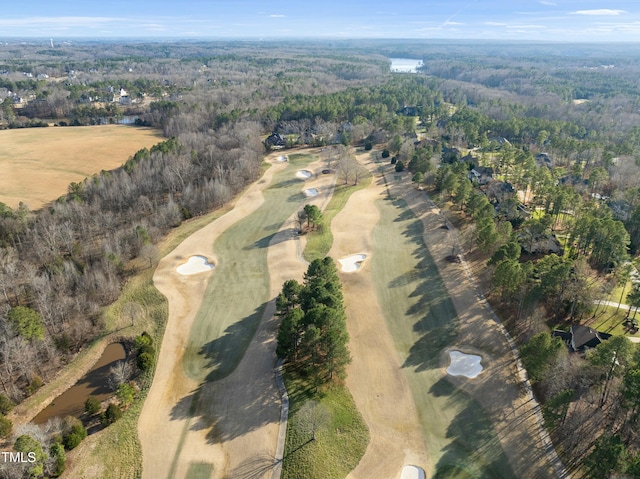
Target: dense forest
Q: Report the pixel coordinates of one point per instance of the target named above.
(553, 208)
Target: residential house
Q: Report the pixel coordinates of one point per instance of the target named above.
(498, 191)
(481, 175)
(276, 140)
(580, 338)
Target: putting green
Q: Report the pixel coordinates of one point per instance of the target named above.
(421, 317)
(239, 289)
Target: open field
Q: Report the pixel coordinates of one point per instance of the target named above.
(39, 163)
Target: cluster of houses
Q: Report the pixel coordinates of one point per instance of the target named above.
(278, 140)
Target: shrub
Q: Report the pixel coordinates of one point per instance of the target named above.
(394, 160)
(35, 384)
(385, 154)
(6, 426)
(125, 394)
(56, 451)
(111, 415)
(6, 405)
(143, 340)
(92, 406)
(399, 166)
(75, 434)
(368, 145)
(145, 361)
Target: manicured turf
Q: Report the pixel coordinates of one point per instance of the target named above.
(319, 242)
(199, 471)
(239, 290)
(39, 163)
(341, 435)
(422, 320)
(608, 320)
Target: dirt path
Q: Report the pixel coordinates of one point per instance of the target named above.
(375, 378)
(499, 389)
(243, 408)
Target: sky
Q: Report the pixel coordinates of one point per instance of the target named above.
(531, 20)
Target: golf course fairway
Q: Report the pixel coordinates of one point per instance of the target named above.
(238, 291)
(423, 321)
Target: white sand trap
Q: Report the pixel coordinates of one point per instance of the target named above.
(467, 365)
(352, 263)
(311, 192)
(195, 265)
(283, 158)
(304, 174)
(412, 472)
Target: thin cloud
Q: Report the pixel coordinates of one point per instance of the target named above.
(57, 21)
(600, 11)
(495, 24)
(548, 3)
(277, 15)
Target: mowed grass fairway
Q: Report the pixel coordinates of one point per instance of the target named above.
(38, 164)
(239, 288)
(461, 442)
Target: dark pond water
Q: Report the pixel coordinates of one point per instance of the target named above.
(94, 383)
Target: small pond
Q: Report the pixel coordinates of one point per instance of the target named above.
(94, 383)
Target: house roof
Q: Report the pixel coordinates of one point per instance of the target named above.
(584, 337)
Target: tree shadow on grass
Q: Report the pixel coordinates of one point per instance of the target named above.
(254, 468)
(297, 198)
(223, 355)
(429, 300)
(286, 183)
(475, 450)
(273, 239)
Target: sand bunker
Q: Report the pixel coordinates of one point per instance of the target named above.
(412, 472)
(467, 365)
(195, 265)
(311, 192)
(352, 263)
(304, 174)
(283, 158)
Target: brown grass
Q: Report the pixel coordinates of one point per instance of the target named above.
(38, 164)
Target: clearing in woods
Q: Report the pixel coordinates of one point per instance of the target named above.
(38, 164)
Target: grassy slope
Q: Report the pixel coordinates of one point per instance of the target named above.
(237, 293)
(422, 320)
(340, 441)
(319, 243)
